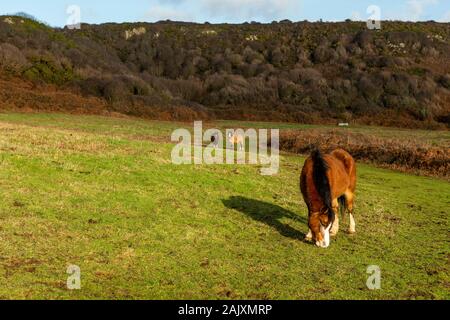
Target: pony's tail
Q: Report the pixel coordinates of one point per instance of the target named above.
(320, 168)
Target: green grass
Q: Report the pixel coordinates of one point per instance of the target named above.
(101, 193)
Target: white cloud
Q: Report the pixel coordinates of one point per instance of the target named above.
(224, 10)
(161, 12)
(251, 9)
(445, 17)
(356, 16)
(416, 8)
(268, 10)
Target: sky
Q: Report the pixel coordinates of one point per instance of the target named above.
(54, 12)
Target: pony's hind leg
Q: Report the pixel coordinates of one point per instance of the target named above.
(349, 197)
(351, 228)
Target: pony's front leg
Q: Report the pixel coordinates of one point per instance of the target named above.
(309, 236)
(335, 228)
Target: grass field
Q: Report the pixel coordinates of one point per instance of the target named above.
(102, 193)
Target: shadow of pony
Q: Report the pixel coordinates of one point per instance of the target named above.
(268, 213)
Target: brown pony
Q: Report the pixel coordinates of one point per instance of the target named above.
(328, 182)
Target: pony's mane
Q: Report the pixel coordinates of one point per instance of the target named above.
(320, 168)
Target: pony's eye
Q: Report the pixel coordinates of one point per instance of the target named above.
(324, 223)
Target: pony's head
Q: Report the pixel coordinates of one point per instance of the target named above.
(320, 224)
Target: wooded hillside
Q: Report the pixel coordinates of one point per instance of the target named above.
(296, 72)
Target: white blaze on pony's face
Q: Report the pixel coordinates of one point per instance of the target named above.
(325, 231)
(320, 224)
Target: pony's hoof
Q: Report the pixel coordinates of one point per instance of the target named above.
(351, 231)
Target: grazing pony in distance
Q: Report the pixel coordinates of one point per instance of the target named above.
(215, 139)
(328, 182)
(236, 138)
